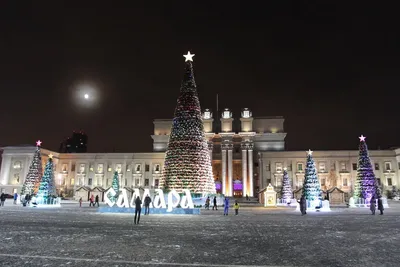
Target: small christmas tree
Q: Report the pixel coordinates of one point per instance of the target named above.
(311, 186)
(32, 180)
(47, 186)
(366, 185)
(187, 159)
(115, 186)
(286, 193)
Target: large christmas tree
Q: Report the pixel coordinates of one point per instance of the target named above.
(366, 184)
(32, 179)
(286, 193)
(187, 159)
(115, 186)
(47, 185)
(311, 186)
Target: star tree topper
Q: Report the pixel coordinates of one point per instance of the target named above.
(362, 138)
(50, 156)
(309, 152)
(38, 143)
(189, 57)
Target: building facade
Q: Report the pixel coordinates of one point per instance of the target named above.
(245, 160)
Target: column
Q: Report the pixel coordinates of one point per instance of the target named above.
(210, 149)
(230, 171)
(251, 163)
(260, 172)
(223, 172)
(244, 169)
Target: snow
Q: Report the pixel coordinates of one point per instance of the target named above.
(73, 236)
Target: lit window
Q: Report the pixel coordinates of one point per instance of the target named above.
(322, 166)
(389, 181)
(300, 167)
(344, 181)
(388, 166)
(278, 167)
(17, 165)
(343, 166)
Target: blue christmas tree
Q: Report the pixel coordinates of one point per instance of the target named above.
(311, 186)
(47, 185)
(366, 184)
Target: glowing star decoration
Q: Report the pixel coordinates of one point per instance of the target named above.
(362, 138)
(38, 143)
(309, 152)
(189, 57)
(50, 156)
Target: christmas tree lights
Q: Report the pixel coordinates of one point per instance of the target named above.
(187, 159)
(286, 192)
(32, 179)
(366, 184)
(311, 186)
(47, 187)
(115, 186)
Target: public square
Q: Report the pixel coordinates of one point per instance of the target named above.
(71, 236)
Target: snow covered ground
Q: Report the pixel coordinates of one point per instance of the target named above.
(70, 236)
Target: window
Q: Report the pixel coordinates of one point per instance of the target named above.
(376, 166)
(72, 181)
(343, 166)
(156, 182)
(16, 178)
(354, 166)
(278, 167)
(109, 169)
(322, 166)
(128, 169)
(91, 168)
(246, 114)
(389, 181)
(82, 168)
(138, 182)
(388, 166)
(146, 182)
(90, 181)
(289, 167)
(157, 168)
(100, 167)
(138, 167)
(64, 167)
(322, 181)
(299, 167)
(118, 167)
(379, 181)
(147, 168)
(15, 190)
(73, 167)
(17, 165)
(344, 181)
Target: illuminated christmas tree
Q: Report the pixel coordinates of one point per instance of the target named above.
(187, 159)
(311, 186)
(47, 185)
(366, 184)
(286, 192)
(32, 179)
(115, 186)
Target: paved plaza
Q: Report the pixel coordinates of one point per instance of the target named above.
(71, 236)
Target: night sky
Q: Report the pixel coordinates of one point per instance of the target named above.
(331, 70)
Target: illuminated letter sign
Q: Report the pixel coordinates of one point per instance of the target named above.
(173, 199)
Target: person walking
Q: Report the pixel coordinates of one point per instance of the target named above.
(372, 205)
(215, 203)
(380, 206)
(80, 203)
(226, 206)
(303, 205)
(147, 201)
(236, 207)
(208, 203)
(91, 201)
(15, 198)
(2, 199)
(138, 210)
(96, 200)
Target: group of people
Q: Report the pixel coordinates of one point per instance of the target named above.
(226, 205)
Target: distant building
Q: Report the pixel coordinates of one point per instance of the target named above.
(77, 143)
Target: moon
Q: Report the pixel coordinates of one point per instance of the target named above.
(86, 96)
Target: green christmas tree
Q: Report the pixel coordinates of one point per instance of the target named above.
(32, 179)
(115, 186)
(366, 184)
(47, 186)
(286, 192)
(311, 186)
(187, 159)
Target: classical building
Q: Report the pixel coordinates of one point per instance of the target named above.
(247, 154)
